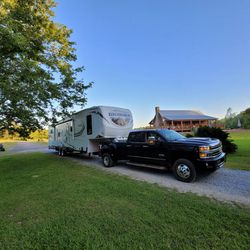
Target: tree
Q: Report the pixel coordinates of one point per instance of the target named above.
(231, 119)
(245, 118)
(38, 81)
(229, 113)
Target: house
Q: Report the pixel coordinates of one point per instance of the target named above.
(180, 120)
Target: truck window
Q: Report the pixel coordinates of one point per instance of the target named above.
(137, 137)
(153, 135)
(89, 124)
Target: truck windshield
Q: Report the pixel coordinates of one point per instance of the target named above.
(171, 135)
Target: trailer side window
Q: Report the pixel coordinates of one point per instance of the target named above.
(89, 124)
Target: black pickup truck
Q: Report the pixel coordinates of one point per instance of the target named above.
(163, 148)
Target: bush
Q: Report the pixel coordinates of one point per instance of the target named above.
(188, 135)
(227, 144)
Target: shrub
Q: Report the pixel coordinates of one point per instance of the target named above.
(188, 135)
(227, 144)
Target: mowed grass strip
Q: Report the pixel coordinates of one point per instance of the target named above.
(51, 202)
(240, 159)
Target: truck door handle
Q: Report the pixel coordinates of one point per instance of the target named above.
(128, 146)
(145, 146)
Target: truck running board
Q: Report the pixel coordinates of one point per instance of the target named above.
(145, 165)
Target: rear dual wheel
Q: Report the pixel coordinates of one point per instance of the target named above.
(107, 160)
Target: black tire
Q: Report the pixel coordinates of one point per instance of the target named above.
(63, 152)
(107, 160)
(184, 170)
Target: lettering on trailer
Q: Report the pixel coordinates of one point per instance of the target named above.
(120, 119)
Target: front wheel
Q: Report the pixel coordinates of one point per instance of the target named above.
(184, 170)
(107, 160)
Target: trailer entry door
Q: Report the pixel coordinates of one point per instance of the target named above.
(89, 124)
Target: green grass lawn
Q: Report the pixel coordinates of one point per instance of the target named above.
(241, 159)
(49, 202)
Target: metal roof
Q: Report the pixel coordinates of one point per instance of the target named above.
(184, 115)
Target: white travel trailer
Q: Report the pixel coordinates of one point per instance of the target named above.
(85, 130)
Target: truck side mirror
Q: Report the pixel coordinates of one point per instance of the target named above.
(152, 140)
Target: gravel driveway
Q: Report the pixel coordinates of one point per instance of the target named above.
(224, 185)
(25, 147)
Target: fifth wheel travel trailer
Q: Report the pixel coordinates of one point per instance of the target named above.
(85, 130)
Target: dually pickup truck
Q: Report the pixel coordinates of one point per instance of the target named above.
(163, 148)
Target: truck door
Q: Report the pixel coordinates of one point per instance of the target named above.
(154, 149)
(135, 146)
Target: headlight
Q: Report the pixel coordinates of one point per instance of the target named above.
(203, 155)
(204, 148)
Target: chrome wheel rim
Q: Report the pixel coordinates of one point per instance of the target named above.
(106, 160)
(183, 171)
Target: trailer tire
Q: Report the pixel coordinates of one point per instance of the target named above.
(62, 152)
(107, 160)
(184, 170)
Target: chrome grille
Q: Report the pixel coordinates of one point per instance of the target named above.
(215, 151)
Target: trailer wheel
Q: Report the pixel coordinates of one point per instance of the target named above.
(184, 170)
(107, 160)
(62, 152)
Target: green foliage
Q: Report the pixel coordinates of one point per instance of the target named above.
(188, 135)
(228, 145)
(39, 135)
(231, 120)
(231, 123)
(245, 118)
(241, 159)
(38, 81)
(52, 203)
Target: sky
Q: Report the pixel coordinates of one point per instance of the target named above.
(175, 54)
